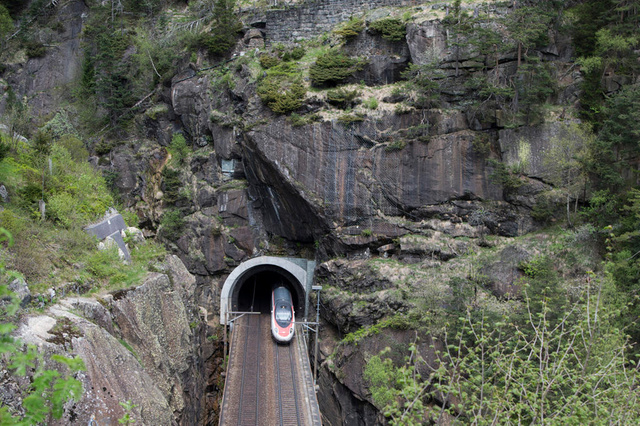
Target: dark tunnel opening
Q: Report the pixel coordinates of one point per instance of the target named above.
(252, 293)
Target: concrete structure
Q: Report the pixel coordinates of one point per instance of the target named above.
(111, 227)
(297, 272)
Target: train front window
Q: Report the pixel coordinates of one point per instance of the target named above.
(283, 313)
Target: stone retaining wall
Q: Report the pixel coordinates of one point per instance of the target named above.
(313, 18)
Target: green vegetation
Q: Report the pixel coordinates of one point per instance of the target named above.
(225, 27)
(302, 120)
(178, 148)
(127, 418)
(49, 389)
(48, 252)
(389, 28)
(342, 98)
(371, 103)
(333, 67)
(575, 367)
(350, 29)
(282, 88)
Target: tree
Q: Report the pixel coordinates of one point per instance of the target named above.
(6, 25)
(527, 27)
(425, 83)
(224, 30)
(566, 161)
(573, 369)
(333, 67)
(616, 151)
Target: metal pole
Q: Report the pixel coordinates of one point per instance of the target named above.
(315, 356)
(226, 324)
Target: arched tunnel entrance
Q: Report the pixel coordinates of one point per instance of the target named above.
(248, 288)
(252, 293)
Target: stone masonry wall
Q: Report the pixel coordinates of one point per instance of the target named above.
(315, 17)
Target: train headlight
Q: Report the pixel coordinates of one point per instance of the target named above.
(291, 330)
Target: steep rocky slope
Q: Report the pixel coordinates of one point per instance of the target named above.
(415, 185)
(146, 345)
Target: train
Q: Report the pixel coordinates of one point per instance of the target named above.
(282, 315)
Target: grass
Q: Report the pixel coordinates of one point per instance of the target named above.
(56, 251)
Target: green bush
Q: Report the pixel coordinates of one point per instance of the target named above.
(371, 103)
(298, 53)
(75, 147)
(171, 224)
(504, 176)
(334, 67)
(4, 149)
(35, 49)
(224, 30)
(77, 194)
(350, 29)
(179, 148)
(390, 28)
(348, 119)
(298, 120)
(341, 97)
(268, 61)
(171, 185)
(282, 90)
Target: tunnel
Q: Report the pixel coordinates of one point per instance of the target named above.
(252, 293)
(248, 288)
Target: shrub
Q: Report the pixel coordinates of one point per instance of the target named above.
(75, 147)
(298, 120)
(341, 97)
(268, 61)
(282, 89)
(396, 145)
(12, 222)
(35, 49)
(178, 148)
(351, 28)
(504, 176)
(298, 53)
(171, 184)
(4, 149)
(224, 31)
(371, 103)
(334, 67)
(348, 119)
(172, 224)
(390, 28)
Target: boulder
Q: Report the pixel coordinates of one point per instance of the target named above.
(502, 277)
(21, 290)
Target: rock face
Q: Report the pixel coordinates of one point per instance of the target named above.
(345, 175)
(43, 80)
(145, 345)
(414, 187)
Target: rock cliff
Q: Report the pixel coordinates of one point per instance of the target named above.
(146, 345)
(413, 188)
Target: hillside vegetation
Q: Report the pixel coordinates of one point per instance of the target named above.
(558, 347)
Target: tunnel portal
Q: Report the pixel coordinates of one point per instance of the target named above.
(248, 288)
(253, 292)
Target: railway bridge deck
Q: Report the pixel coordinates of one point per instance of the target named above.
(267, 383)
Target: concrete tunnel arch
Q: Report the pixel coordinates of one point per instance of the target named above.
(260, 274)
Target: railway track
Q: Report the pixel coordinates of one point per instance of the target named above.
(288, 412)
(249, 398)
(265, 384)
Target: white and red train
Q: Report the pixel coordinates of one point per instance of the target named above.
(282, 315)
